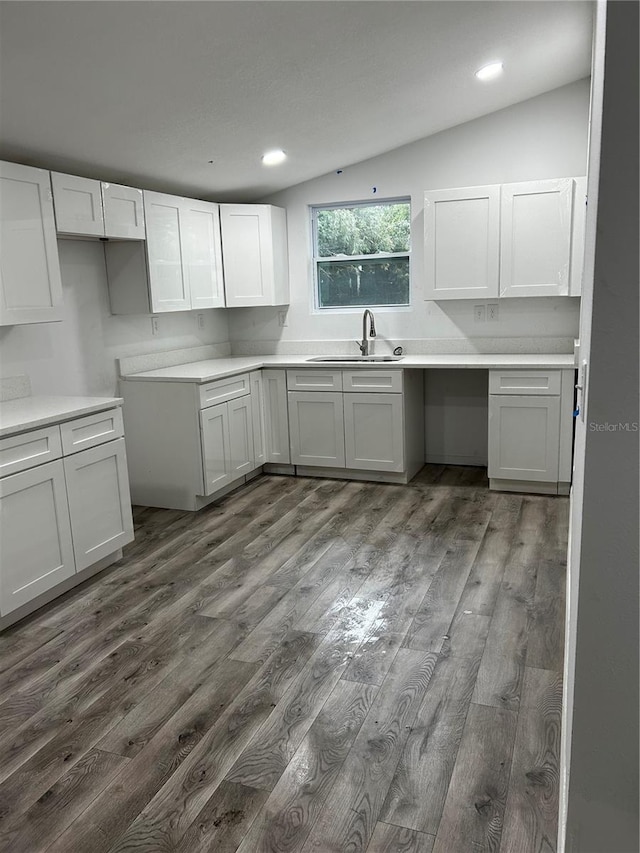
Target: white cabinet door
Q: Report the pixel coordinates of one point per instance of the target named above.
(524, 438)
(202, 253)
(37, 551)
(240, 436)
(254, 254)
(30, 283)
(374, 431)
(258, 413)
(535, 246)
(99, 502)
(123, 212)
(216, 451)
(316, 423)
(78, 205)
(462, 234)
(168, 285)
(276, 412)
(577, 235)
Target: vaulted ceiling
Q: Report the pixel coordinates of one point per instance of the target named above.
(149, 93)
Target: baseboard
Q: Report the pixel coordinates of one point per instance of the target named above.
(277, 468)
(525, 486)
(352, 474)
(472, 461)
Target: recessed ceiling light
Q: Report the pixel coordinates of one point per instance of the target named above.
(488, 72)
(272, 158)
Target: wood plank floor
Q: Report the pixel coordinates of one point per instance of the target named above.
(307, 665)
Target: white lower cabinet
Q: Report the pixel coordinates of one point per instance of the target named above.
(376, 426)
(60, 517)
(276, 417)
(524, 438)
(373, 432)
(316, 424)
(530, 430)
(216, 452)
(207, 441)
(99, 503)
(241, 436)
(257, 417)
(37, 550)
(227, 443)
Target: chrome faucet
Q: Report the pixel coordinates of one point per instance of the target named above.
(364, 345)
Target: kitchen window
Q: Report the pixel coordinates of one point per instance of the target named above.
(361, 253)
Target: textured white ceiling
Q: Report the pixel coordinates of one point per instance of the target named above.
(148, 92)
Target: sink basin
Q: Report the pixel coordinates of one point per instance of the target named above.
(365, 358)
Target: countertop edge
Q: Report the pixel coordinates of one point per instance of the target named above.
(201, 373)
(25, 421)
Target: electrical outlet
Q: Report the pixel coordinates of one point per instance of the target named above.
(200, 317)
(479, 313)
(492, 312)
(282, 318)
(154, 325)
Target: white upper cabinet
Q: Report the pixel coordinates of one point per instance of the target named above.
(30, 284)
(255, 259)
(524, 239)
(179, 268)
(202, 253)
(78, 204)
(88, 208)
(462, 239)
(536, 227)
(123, 212)
(168, 284)
(577, 237)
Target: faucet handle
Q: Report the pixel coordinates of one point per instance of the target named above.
(361, 347)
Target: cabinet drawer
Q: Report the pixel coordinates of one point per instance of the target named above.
(314, 380)
(524, 382)
(372, 380)
(224, 389)
(90, 431)
(19, 452)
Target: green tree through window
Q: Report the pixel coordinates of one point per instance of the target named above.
(361, 254)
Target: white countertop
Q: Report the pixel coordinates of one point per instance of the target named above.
(32, 412)
(219, 368)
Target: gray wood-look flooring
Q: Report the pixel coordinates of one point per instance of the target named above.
(307, 665)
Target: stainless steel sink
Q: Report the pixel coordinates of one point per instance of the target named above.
(359, 358)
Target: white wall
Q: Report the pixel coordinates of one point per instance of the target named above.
(602, 796)
(77, 355)
(544, 137)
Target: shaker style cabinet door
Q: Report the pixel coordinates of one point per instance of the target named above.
(99, 502)
(524, 438)
(276, 417)
(168, 285)
(374, 431)
(78, 205)
(462, 238)
(37, 550)
(216, 450)
(240, 436)
(316, 423)
(536, 231)
(258, 416)
(30, 283)
(202, 253)
(255, 254)
(123, 212)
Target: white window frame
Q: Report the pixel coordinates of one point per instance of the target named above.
(315, 259)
